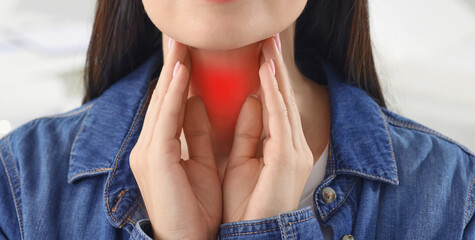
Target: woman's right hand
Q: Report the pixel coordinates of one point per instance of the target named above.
(182, 198)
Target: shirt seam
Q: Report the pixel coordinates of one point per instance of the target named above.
(63, 115)
(390, 143)
(419, 127)
(95, 170)
(295, 222)
(115, 168)
(75, 139)
(17, 205)
(13, 164)
(468, 212)
(246, 233)
(248, 224)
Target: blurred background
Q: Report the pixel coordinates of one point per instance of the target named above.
(424, 50)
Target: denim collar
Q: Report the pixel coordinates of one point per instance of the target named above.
(359, 138)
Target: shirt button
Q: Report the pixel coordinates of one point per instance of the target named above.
(348, 237)
(328, 195)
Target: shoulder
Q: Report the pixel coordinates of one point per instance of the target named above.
(56, 129)
(408, 134)
(34, 148)
(38, 149)
(432, 164)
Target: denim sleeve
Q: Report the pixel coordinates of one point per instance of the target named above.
(9, 221)
(469, 229)
(298, 224)
(142, 230)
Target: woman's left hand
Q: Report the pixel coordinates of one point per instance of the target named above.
(254, 186)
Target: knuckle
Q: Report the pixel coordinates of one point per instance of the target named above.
(156, 92)
(196, 132)
(247, 135)
(291, 99)
(280, 112)
(168, 110)
(173, 92)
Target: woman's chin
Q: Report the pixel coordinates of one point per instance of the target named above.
(218, 42)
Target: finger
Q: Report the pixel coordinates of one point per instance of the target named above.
(177, 52)
(197, 132)
(278, 122)
(271, 51)
(168, 125)
(260, 94)
(265, 112)
(247, 133)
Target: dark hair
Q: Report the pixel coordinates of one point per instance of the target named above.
(123, 37)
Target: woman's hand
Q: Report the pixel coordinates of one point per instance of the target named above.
(257, 187)
(182, 198)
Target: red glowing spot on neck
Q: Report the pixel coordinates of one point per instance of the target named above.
(223, 92)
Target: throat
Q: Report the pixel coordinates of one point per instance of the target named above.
(223, 80)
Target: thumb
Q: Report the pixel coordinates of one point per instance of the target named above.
(197, 132)
(247, 133)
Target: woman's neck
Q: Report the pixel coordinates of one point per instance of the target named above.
(224, 79)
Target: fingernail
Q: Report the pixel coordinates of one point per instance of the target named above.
(253, 95)
(177, 66)
(272, 65)
(170, 40)
(277, 40)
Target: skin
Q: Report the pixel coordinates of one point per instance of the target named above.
(192, 176)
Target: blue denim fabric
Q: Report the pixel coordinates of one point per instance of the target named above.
(68, 177)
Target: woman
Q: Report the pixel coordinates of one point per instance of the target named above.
(169, 144)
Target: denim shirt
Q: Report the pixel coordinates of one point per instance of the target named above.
(67, 176)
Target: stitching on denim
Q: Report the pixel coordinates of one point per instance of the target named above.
(331, 158)
(292, 230)
(290, 224)
(131, 221)
(76, 138)
(468, 200)
(143, 208)
(285, 230)
(17, 205)
(13, 164)
(68, 114)
(116, 163)
(248, 224)
(128, 217)
(126, 214)
(342, 201)
(92, 171)
(133, 236)
(120, 196)
(297, 212)
(301, 220)
(237, 234)
(365, 174)
(390, 142)
(287, 214)
(425, 129)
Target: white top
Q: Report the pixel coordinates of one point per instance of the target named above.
(315, 178)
